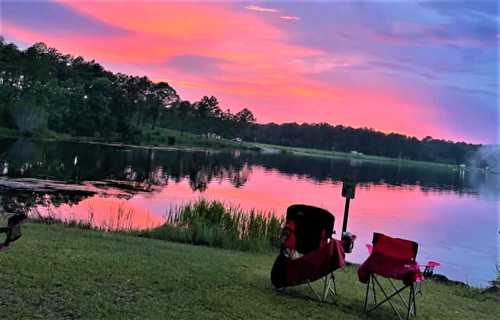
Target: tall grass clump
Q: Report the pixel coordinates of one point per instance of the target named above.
(215, 224)
(495, 284)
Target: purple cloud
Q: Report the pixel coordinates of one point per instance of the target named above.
(196, 64)
(53, 18)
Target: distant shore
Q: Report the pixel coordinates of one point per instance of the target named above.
(349, 156)
(159, 139)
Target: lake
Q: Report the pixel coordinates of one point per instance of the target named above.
(453, 215)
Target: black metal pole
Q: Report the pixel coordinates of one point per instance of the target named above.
(346, 215)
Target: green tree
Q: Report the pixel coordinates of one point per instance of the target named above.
(29, 112)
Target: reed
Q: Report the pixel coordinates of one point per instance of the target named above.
(119, 219)
(215, 224)
(202, 222)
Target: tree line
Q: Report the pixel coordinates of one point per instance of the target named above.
(364, 140)
(43, 90)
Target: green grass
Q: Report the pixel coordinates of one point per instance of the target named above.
(159, 137)
(148, 138)
(55, 272)
(214, 224)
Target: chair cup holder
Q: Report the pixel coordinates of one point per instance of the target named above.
(348, 241)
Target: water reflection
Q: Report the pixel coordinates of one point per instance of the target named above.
(149, 167)
(452, 214)
(103, 212)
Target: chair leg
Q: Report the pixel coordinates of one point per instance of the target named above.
(334, 290)
(419, 288)
(329, 286)
(410, 302)
(415, 302)
(367, 291)
(326, 288)
(388, 298)
(314, 291)
(403, 301)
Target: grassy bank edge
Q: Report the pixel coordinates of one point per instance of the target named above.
(156, 139)
(349, 156)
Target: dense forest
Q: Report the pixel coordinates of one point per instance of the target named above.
(43, 90)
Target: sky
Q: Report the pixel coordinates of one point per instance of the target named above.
(419, 68)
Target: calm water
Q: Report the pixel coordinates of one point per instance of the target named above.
(453, 216)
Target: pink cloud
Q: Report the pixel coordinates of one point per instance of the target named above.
(262, 68)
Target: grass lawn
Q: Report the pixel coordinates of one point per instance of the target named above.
(55, 272)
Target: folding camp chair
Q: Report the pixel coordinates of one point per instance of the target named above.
(394, 259)
(428, 270)
(13, 229)
(308, 251)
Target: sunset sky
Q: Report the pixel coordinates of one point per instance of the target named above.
(418, 68)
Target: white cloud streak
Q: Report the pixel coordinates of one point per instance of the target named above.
(260, 9)
(290, 18)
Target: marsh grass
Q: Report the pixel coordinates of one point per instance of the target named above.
(202, 222)
(495, 283)
(120, 219)
(215, 224)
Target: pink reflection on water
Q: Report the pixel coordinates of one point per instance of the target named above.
(104, 213)
(458, 230)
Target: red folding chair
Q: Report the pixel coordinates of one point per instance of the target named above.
(308, 252)
(428, 271)
(394, 259)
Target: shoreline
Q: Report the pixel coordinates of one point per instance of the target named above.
(117, 144)
(360, 157)
(224, 145)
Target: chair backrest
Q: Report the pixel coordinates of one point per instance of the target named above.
(312, 225)
(394, 247)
